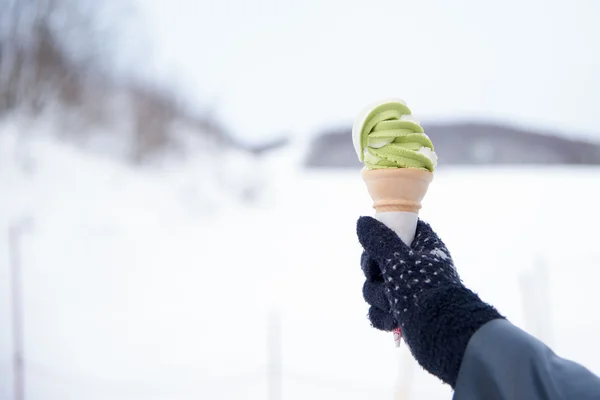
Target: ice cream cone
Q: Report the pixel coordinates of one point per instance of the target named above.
(397, 189)
(399, 162)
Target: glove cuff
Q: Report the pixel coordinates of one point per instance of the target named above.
(441, 325)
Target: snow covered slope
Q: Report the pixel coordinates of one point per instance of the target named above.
(145, 285)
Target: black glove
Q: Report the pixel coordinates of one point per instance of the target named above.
(418, 289)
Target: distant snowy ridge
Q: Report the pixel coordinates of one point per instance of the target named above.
(469, 144)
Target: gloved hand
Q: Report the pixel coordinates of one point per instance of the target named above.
(418, 289)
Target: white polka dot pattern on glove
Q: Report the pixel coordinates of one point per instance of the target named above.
(406, 272)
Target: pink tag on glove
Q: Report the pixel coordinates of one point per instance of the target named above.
(397, 336)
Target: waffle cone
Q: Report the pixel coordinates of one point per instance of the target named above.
(397, 189)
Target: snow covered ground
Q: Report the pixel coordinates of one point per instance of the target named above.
(136, 287)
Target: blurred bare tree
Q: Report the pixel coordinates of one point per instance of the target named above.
(58, 76)
(57, 54)
(48, 48)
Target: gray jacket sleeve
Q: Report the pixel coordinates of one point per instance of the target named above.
(502, 362)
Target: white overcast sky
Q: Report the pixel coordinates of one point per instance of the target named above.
(275, 66)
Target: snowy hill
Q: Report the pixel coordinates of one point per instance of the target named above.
(141, 284)
(470, 143)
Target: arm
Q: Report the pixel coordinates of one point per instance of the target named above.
(504, 362)
(450, 331)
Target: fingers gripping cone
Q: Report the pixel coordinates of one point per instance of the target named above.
(397, 192)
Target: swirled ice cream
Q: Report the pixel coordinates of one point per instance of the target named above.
(390, 137)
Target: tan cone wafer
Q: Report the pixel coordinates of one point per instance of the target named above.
(397, 189)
